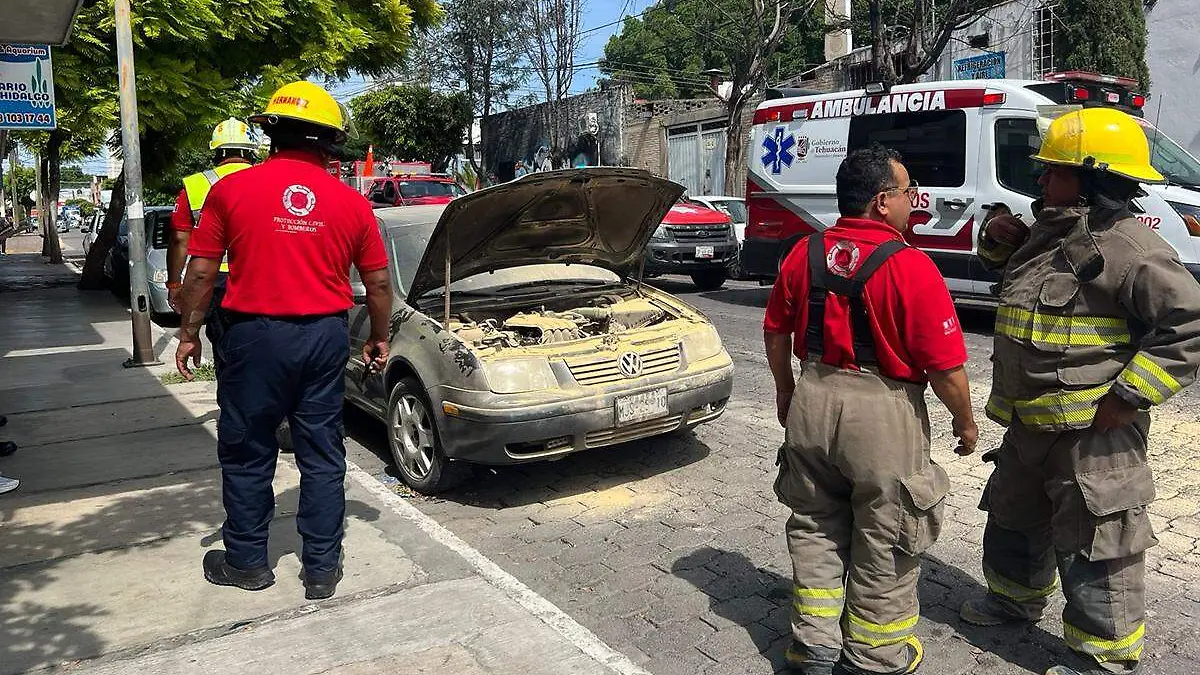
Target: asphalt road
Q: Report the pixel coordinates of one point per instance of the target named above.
(672, 549)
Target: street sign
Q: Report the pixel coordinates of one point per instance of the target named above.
(26, 88)
(988, 66)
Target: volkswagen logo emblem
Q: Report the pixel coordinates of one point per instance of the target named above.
(630, 364)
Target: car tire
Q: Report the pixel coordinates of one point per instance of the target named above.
(710, 280)
(416, 444)
(283, 436)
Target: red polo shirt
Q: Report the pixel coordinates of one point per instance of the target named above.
(292, 231)
(908, 306)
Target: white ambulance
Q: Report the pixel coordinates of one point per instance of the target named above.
(966, 144)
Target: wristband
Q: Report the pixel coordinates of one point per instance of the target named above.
(172, 285)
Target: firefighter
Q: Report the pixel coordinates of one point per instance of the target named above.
(234, 148)
(291, 231)
(1098, 321)
(874, 323)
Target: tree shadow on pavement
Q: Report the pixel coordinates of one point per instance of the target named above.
(587, 471)
(758, 600)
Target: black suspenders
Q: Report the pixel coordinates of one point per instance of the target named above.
(822, 281)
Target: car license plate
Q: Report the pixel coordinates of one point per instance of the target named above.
(705, 252)
(641, 407)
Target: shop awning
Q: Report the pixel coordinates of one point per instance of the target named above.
(38, 22)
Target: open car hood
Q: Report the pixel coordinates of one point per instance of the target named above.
(597, 216)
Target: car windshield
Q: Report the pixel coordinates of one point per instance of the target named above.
(415, 189)
(408, 244)
(1171, 160)
(734, 208)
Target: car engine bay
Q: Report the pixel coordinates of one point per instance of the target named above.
(562, 321)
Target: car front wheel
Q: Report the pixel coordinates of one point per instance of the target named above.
(415, 444)
(710, 280)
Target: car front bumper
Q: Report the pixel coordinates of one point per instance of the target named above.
(158, 298)
(501, 430)
(676, 258)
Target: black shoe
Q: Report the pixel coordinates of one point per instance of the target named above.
(7, 448)
(321, 586)
(3, 420)
(221, 573)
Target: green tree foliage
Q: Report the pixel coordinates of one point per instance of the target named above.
(86, 208)
(665, 51)
(414, 123)
(1106, 36)
(200, 61)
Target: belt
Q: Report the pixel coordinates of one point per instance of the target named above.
(233, 317)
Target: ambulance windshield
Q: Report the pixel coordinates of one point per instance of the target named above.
(1172, 161)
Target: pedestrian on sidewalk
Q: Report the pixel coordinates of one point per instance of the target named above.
(1098, 321)
(291, 231)
(874, 323)
(234, 148)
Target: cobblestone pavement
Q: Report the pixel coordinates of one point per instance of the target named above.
(672, 550)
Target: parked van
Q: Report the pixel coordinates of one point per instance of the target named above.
(967, 146)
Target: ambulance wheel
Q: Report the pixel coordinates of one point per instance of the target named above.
(710, 280)
(416, 444)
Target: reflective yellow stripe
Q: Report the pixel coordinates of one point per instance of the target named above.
(1128, 648)
(822, 602)
(1061, 407)
(821, 611)
(1010, 589)
(1075, 331)
(224, 266)
(1150, 379)
(820, 592)
(879, 634)
(1000, 409)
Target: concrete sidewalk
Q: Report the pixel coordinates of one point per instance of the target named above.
(100, 548)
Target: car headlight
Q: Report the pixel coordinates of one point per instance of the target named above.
(702, 344)
(159, 276)
(515, 376)
(660, 234)
(1190, 215)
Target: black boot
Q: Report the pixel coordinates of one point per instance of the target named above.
(7, 448)
(218, 571)
(321, 586)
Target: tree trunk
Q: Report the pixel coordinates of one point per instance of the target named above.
(735, 143)
(881, 52)
(51, 171)
(93, 267)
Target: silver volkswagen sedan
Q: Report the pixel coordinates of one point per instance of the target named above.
(522, 333)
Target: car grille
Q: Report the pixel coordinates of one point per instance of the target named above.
(605, 370)
(688, 234)
(632, 432)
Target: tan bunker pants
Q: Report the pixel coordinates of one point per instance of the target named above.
(866, 500)
(1077, 501)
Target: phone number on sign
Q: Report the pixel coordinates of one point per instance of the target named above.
(26, 118)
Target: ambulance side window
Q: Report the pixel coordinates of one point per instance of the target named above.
(1016, 140)
(933, 144)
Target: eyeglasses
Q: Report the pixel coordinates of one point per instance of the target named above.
(911, 191)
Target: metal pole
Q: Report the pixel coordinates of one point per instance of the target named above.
(39, 203)
(143, 345)
(3, 144)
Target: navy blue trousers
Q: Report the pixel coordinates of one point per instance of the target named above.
(274, 369)
(214, 326)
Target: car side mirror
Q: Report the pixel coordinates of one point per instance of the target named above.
(359, 290)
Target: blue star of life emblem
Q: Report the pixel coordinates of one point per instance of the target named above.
(778, 150)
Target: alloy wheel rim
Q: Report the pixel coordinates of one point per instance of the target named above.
(412, 436)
